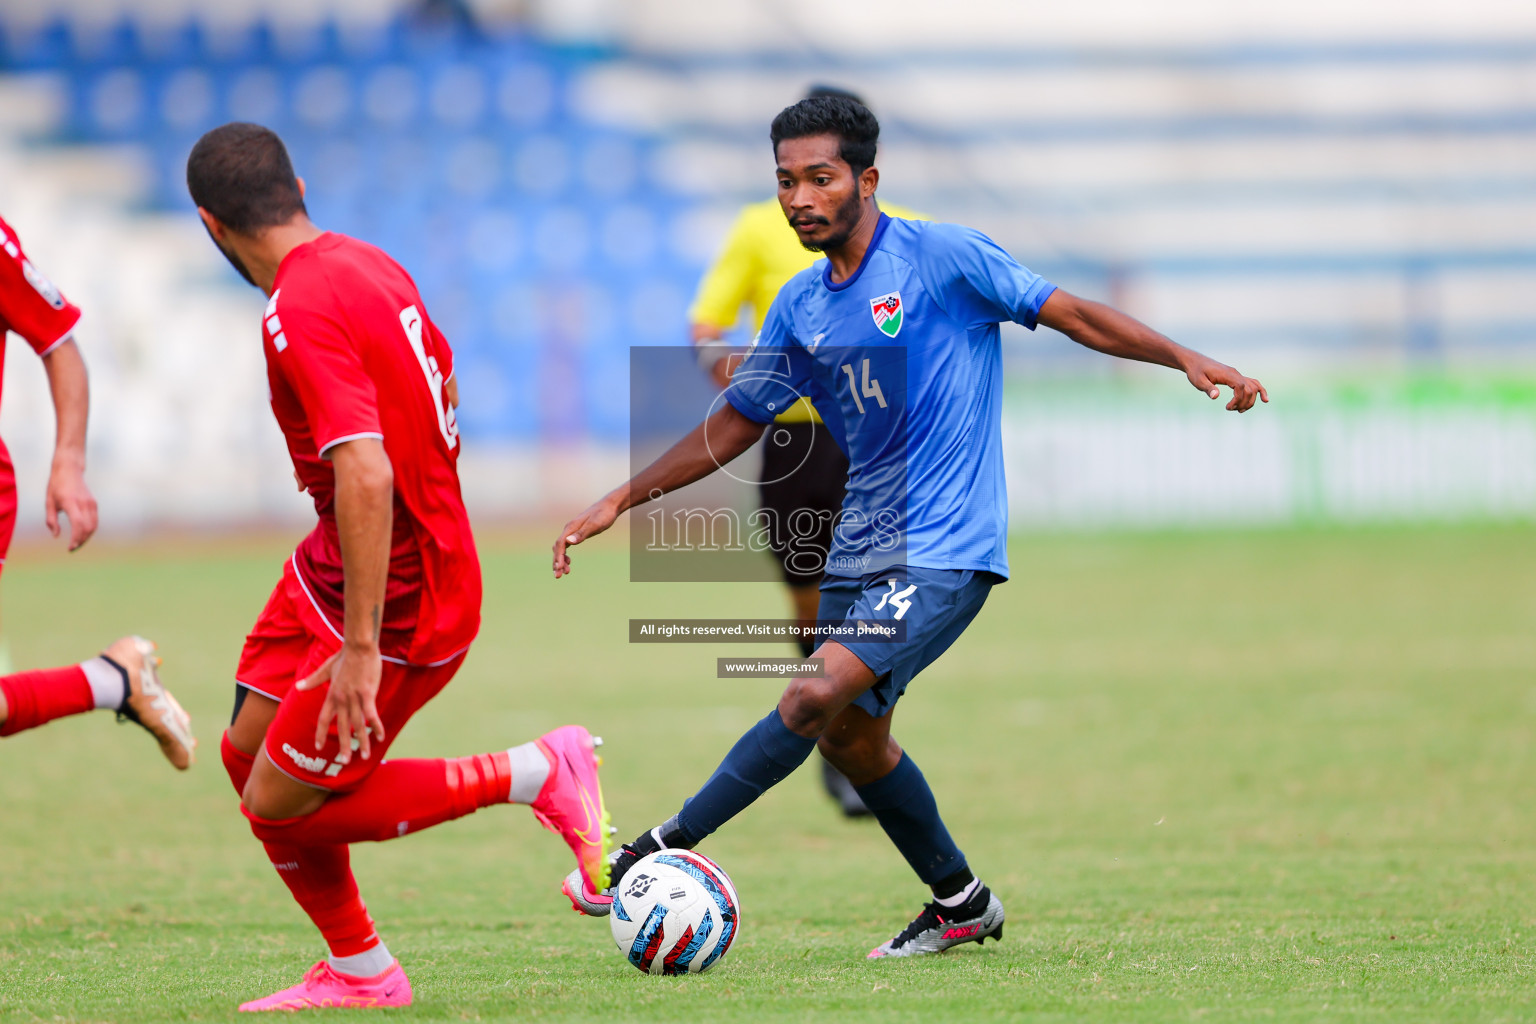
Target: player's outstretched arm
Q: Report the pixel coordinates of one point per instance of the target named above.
(710, 445)
(1105, 329)
(67, 489)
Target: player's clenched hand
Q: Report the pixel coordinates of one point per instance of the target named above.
(353, 674)
(1205, 374)
(589, 524)
(69, 494)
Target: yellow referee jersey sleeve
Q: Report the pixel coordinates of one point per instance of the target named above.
(740, 273)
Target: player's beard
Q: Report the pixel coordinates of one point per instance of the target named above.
(844, 222)
(234, 260)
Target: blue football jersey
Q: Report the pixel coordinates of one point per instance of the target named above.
(903, 361)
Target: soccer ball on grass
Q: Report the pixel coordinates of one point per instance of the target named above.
(675, 912)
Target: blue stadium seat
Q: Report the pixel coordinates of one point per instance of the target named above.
(459, 95)
(255, 93)
(37, 48)
(526, 94)
(182, 43)
(113, 45)
(392, 96)
(116, 102)
(187, 99)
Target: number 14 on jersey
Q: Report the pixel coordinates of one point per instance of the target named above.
(870, 389)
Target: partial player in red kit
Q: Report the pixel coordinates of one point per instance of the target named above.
(123, 678)
(378, 605)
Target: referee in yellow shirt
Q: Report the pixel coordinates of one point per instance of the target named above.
(803, 468)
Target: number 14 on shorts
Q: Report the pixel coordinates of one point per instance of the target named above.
(900, 601)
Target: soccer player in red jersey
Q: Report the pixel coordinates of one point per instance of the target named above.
(378, 605)
(123, 678)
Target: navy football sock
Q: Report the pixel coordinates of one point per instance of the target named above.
(760, 760)
(905, 808)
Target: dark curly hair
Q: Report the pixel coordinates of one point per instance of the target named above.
(841, 115)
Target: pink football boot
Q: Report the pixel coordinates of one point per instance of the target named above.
(571, 802)
(323, 987)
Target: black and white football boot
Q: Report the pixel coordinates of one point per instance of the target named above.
(939, 927)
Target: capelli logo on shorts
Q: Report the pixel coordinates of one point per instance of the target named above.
(309, 764)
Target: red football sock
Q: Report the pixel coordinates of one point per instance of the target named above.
(237, 763)
(320, 878)
(32, 698)
(398, 798)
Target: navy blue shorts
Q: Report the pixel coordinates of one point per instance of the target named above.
(935, 605)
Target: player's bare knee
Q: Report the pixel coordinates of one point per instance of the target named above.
(273, 796)
(271, 804)
(254, 799)
(258, 797)
(807, 707)
(839, 743)
(856, 755)
(838, 751)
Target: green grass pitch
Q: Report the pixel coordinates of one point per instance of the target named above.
(1285, 776)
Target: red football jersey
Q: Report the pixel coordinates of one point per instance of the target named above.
(351, 353)
(30, 304)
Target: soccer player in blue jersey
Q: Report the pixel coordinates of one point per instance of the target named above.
(894, 337)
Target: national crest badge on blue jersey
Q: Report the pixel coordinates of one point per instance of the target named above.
(887, 311)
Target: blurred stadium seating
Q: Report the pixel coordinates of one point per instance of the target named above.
(521, 220)
(1319, 211)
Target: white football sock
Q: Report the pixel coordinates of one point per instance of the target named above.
(530, 770)
(959, 897)
(109, 684)
(368, 964)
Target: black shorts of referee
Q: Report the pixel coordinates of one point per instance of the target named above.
(804, 473)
